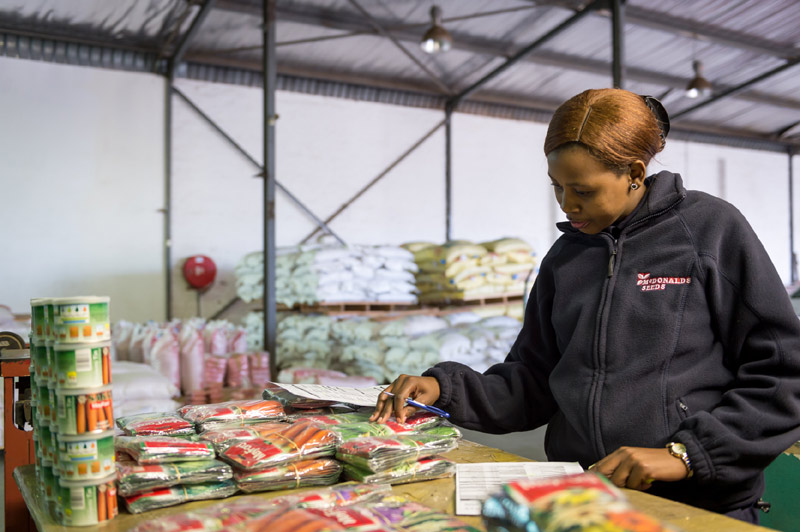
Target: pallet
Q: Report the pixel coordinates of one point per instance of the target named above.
(482, 300)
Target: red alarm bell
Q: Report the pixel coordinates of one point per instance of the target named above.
(199, 271)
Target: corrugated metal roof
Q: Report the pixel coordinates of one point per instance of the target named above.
(331, 41)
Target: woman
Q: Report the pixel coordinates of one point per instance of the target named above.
(659, 345)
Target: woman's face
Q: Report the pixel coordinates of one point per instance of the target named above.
(592, 196)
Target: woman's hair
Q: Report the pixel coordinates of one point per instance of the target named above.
(615, 125)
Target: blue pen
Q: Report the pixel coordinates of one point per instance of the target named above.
(428, 408)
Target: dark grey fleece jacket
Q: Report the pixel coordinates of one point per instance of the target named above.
(679, 329)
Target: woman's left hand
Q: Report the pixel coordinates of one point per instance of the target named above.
(637, 467)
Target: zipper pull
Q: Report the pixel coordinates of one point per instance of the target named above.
(611, 261)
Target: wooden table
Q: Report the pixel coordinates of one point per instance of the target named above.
(438, 494)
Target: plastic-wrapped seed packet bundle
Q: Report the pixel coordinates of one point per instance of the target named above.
(156, 424)
(211, 518)
(224, 438)
(320, 472)
(230, 513)
(233, 412)
(417, 422)
(414, 517)
(296, 414)
(294, 520)
(365, 429)
(383, 453)
(133, 478)
(161, 498)
(273, 392)
(424, 469)
(344, 494)
(300, 441)
(584, 501)
(163, 449)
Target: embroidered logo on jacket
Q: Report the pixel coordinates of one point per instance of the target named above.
(659, 283)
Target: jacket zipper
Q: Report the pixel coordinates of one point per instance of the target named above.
(600, 349)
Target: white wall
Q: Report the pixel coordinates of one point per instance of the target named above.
(81, 168)
(91, 140)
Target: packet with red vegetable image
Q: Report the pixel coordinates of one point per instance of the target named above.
(320, 472)
(155, 424)
(299, 441)
(163, 449)
(241, 413)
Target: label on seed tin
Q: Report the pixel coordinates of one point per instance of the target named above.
(83, 367)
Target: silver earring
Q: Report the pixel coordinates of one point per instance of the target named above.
(634, 186)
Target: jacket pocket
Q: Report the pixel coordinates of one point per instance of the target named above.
(682, 408)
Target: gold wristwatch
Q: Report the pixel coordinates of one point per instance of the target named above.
(678, 450)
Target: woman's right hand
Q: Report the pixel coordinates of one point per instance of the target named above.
(424, 390)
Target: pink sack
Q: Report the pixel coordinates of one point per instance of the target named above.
(216, 338)
(259, 369)
(237, 340)
(165, 356)
(214, 370)
(238, 375)
(192, 359)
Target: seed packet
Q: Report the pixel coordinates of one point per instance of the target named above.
(320, 472)
(211, 518)
(417, 422)
(230, 513)
(296, 414)
(378, 453)
(224, 438)
(156, 424)
(133, 478)
(344, 494)
(583, 501)
(233, 412)
(161, 498)
(299, 441)
(424, 469)
(292, 520)
(163, 449)
(400, 515)
(364, 429)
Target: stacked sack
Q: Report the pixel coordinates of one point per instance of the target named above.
(584, 501)
(73, 418)
(332, 274)
(197, 357)
(381, 350)
(462, 270)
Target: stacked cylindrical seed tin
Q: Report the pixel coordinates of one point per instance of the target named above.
(74, 417)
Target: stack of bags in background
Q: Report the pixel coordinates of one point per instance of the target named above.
(332, 274)
(460, 270)
(384, 349)
(73, 418)
(197, 357)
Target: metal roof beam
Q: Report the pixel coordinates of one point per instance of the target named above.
(454, 101)
(738, 88)
(183, 44)
(342, 21)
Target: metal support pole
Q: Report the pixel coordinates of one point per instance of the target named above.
(167, 209)
(618, 43)
(270, 116)
(792, 257)
(380, 176)
(448, 173)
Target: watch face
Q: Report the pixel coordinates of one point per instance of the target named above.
(677, 448)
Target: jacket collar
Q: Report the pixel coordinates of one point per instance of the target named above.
(664, 191)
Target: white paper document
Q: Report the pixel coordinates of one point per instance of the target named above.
(476, 482)
(337, 394)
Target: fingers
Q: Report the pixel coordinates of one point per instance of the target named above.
(381, 404)
(631, 467)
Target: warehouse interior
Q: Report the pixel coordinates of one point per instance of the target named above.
(135, 135)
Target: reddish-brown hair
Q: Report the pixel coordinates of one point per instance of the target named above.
(615, 125)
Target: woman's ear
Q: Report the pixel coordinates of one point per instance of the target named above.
(638, 172)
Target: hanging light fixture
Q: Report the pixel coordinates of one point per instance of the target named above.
(699, 86)
(436, 39)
